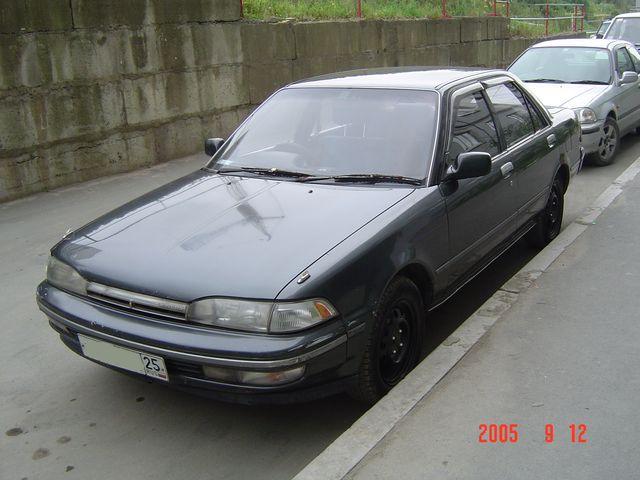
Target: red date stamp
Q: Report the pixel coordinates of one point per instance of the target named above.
(510, 433)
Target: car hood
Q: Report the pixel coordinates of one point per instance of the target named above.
(567, 95)
(206, 235)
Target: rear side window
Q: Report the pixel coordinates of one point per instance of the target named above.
(511, 112)
(538, 120)
(623, 61)
(473, 127)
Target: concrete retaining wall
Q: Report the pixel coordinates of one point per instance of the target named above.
(92, 88)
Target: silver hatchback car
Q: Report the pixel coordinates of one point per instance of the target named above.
(598, 79)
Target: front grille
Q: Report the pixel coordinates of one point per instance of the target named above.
(137, 302)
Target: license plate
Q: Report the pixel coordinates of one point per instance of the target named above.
(125, 358)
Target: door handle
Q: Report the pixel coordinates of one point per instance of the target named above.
(551, 140)
(507, 169)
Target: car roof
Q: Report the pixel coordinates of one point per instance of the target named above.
(581, 42)
(416, 78)
(628, 15)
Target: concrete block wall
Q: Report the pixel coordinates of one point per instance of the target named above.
(92, 88)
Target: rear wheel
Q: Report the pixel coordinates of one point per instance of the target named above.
(549, 220)
(608, 147)
(394, 343)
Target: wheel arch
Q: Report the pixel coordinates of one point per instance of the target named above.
(563, 173)
(420, 276)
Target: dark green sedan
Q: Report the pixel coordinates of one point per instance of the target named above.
(302, 260)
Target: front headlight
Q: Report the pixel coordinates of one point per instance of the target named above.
(586, 115)
(265, 317)
(61, 275)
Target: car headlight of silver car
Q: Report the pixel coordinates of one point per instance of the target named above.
(65, 277)
(586, 115)
(256, 316)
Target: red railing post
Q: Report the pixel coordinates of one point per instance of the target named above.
(582, 19)
(574, 20)
(241, 9)
(508, 8)
(359, 8)
(444, 9)
(546, 20)
(495, 8)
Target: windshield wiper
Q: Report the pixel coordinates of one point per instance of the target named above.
(365, 178)
(273, 172)
(306, 177)
(591, 82)
(545, 80)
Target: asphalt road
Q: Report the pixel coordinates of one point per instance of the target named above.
(64, 417)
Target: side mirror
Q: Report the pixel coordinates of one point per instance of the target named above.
(212, 145)
(597, 35)
(469, 165)
(628, 77)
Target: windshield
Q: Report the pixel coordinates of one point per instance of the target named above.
(564, 65)
(625, 29)
(337, 131)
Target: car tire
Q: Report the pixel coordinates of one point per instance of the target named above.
(394, 342)
(609, 143)
(549, 221)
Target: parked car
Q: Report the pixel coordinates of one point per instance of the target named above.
(625, 27)
(602, 29)
(596, 78)
(302, 259)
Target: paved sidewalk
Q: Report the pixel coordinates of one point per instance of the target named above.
(567, 352)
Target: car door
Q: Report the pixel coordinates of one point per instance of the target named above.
(481, 210)
(635, 59)
(532, 147)
(628, 97)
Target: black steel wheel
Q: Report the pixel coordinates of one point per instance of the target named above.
(549, 221)
(394, 341)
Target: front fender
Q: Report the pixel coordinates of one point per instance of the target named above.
(605, 109)
(354, 274)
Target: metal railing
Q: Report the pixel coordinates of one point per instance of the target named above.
(578, 14)
(506, 4)
(503, 8)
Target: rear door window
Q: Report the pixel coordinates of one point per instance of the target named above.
(539, 122)
(511, 112)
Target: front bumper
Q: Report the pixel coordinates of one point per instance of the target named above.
(187, 348)
(592, 137)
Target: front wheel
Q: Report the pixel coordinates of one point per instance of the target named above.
(394, 343)
(549, 220)
(608, 147)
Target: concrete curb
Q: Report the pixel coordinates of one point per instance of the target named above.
(339, 458)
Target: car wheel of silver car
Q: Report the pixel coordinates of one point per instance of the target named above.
(549, 221)
(608, 146)
(394, 343)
